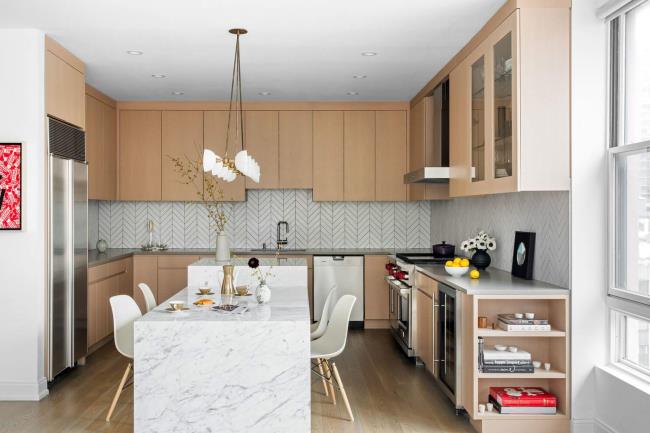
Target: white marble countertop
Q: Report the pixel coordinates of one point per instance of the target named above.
(288, 304)
(264, 261)
(492, 282)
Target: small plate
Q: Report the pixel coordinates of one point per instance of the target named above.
(171, 310)
(247, 294)
(204, 294)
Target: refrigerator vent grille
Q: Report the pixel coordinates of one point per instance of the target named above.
(67, 141)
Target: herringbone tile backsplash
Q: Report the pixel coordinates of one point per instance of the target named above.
(545, 213)
(251, 223)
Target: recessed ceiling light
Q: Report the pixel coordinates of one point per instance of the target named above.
(178, 93)
(352, 93)
(368, 53)
(159, 75)
(265, 93)
(135, 52)
(359, 76)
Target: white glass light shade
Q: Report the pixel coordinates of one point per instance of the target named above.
(223, 172)
(247, 165)
(209, 159)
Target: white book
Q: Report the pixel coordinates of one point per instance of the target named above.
(514, 328)
(494, 355)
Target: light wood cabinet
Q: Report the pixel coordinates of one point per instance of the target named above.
(295, 128)
(172, 274)
(376, 296)
(182, 137)
(390, 160)
(215, 126)
(64, 85)
(359, 156)
(509, 105)
(424, 308)
(140, 155)
(262, 144)
(328, 156)
(145, 270)
(101, 146)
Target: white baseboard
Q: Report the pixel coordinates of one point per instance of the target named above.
(23, 391)
(582, 426)
(602, 427)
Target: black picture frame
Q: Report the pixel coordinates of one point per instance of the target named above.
(523, 255)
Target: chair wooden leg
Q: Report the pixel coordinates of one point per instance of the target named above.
(118, 392)
(320, 370)
(343, 393)
(328, 375)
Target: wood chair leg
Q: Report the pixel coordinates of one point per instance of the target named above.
(118, 392)
(330, 382)
(343, 393)
(322, 374)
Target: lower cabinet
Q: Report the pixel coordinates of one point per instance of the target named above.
(426, 301)
(172, 275)
(145, 270)
(105, 281)
(376, 296)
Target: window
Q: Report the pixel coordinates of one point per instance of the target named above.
(629, 176)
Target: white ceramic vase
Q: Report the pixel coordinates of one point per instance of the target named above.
(263, 294)
(223, 249)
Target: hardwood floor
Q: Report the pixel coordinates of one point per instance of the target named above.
(386, 391)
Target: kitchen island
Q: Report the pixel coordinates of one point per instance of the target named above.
(200, 370)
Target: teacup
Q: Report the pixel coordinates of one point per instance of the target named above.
(205, 290)
(241, 290)
(176, 305)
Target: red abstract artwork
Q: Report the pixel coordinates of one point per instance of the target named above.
(10, 182)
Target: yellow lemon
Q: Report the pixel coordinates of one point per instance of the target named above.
(474, 274)
(457, 260)
(449, 263)
(464, 263)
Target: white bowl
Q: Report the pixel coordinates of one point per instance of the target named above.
(530, 316)
(500, 347)
(456, 271)
(513, 349)
(537, 364)
(519, 315)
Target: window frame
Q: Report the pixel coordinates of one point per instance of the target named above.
(618, 352)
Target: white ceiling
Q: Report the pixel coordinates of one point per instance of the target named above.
(296, 49)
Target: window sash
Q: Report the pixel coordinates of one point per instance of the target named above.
(619, 319)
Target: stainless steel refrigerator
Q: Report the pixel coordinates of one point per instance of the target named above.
(67, 245)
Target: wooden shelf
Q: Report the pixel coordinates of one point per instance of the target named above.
(503, 416)
(539, 373)
(487, 332)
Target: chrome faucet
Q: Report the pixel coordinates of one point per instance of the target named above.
(281, 240)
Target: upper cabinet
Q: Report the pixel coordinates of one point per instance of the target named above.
(261, 141)
(390, 160)
(510, 107)
(101, 145)
(296, 145)
(182, 137)
(328, 156)
(140, 155)
(359, 156)
(215, 130)
(65, 86)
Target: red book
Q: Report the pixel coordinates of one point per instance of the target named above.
(522, 396)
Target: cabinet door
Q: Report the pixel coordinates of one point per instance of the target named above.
(390, 164)
(172, 275)
(376, 296)
(328, 156)
(65, 91)
(92, 314)
(109, 141)
(425, 329)
(295, 128)
(261, 141)
(459, 127)
(145, 270)
(102, 308)
(95, 147)
(359, 156)
(182, 137)
(215, 125)
(140, 155)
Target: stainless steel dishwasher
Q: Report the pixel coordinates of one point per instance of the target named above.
(347, 273)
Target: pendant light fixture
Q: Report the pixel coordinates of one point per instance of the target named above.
(225, 167)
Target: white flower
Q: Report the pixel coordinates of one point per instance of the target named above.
(491, 244)
(464, 245)
(481, 245)
(471, 244)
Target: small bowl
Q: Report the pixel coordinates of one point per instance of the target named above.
(456, 271)
(513, 349)
(537, 364)
(519, 316)
(205, 290)
(530, 316)
(177, 305)
(500, 347)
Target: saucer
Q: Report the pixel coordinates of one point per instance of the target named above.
(171, 310)
(204, 294)
(247, 294)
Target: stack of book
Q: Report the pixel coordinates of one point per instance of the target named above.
(495, 361)
(508, 322)
(523, 400)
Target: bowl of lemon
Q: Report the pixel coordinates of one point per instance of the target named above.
(457, 267)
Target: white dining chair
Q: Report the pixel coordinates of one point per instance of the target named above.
(318, 328)
(332, 344)
(149, 298)
(125, 312)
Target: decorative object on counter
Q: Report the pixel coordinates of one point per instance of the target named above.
(547, 366)
(205, 291)
(478, 246)
(443, 250)
(243, 164)
(102, 245)
(10, 186)
(516, 322)
(228, 283)
(523, 255)
(481, 408)
(537, 364)
(523, 400)
(242, 291)
(151, 245)
(490, 407)
(482, 322)
(457, 267)
(263, 292)
(529, 316)
(474, 274)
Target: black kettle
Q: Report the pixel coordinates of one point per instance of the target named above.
(443, 250)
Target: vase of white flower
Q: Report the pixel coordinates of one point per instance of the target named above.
(478, 247)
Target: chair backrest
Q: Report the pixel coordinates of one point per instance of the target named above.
(149, 298)
(325, 315)
(125, 312)
(336, 334)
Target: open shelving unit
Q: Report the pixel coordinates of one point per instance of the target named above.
(544, 346)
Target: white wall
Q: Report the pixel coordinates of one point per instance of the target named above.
(22, 253)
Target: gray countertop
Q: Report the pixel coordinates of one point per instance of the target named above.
(96, 258)
(492, 282)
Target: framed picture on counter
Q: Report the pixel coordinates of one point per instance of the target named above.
(523, 255)
(10, 186)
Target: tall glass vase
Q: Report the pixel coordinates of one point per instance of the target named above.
(223, 249)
